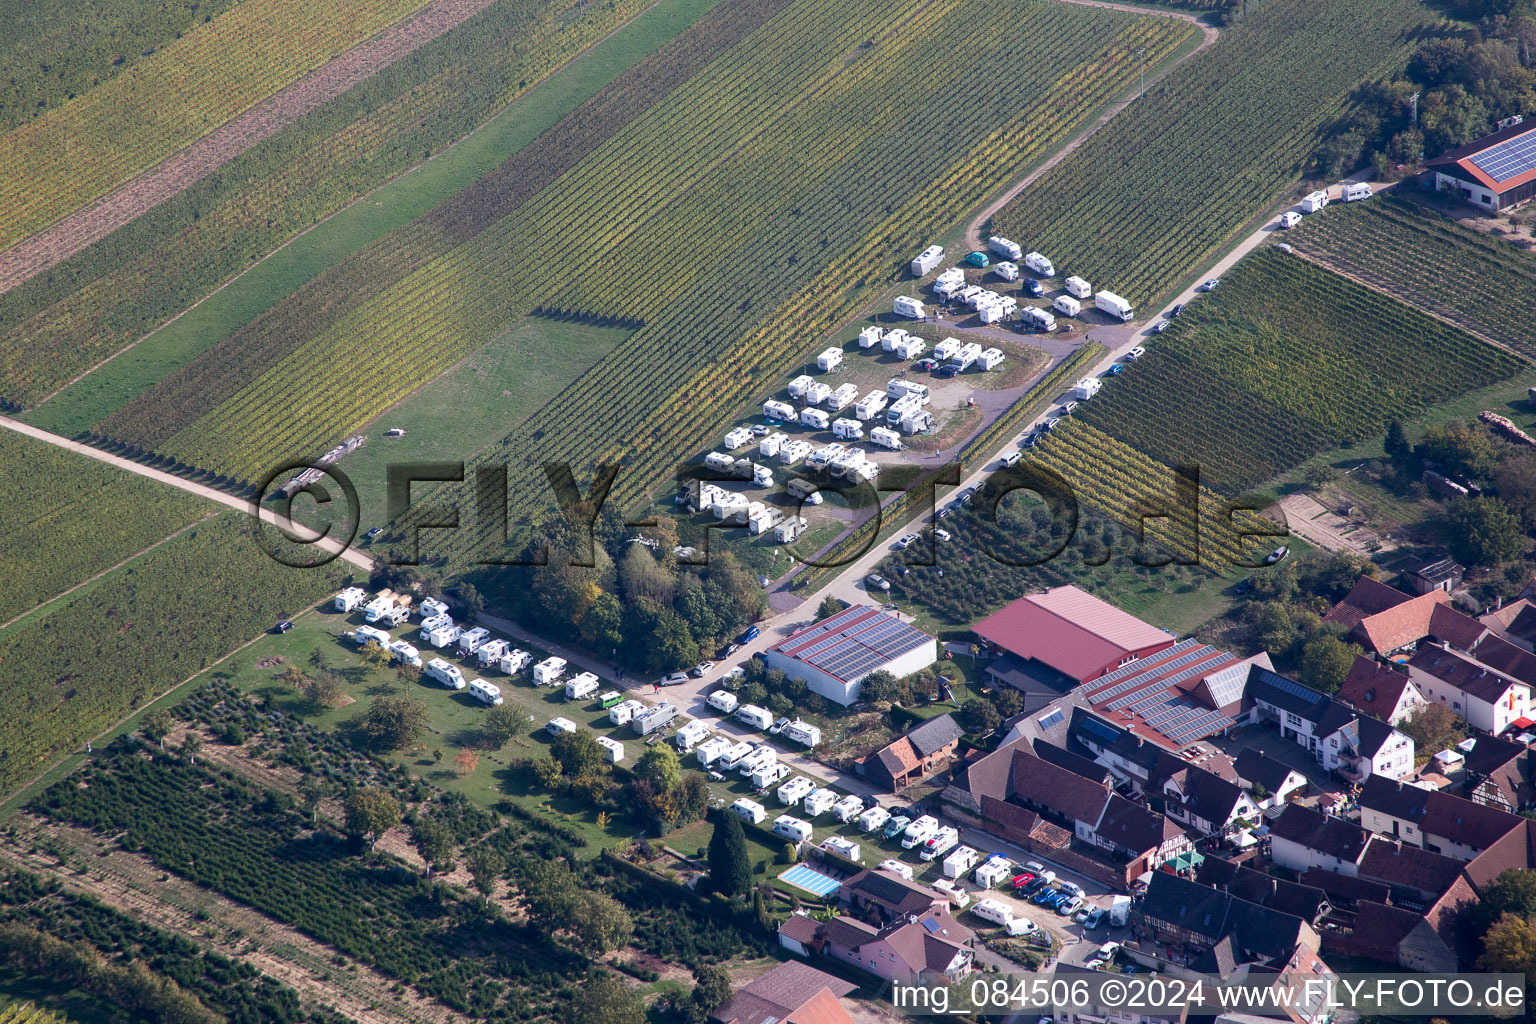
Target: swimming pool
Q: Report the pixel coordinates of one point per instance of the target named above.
(810, 880)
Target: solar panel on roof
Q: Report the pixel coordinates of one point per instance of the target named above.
(1099, 730)
(1226, 685)
(1140, 665)
(1290, 686)
(1508, 159)
(1157, 671)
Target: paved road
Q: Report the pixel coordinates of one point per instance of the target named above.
(351, 555)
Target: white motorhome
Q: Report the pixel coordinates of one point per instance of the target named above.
(1066, 305)
(436, 622)
(1078, 288)
(776, 410)
(842, 398)
(795, 790)
(891, 338)
(870, 405)
(732, 758)
(749, 810)
(657, 717)
(1040, 265)
(1087, 387)
(960, 861)
(349, 599)
(995, 911)
(441, 636)
(711, 750)
(794, 451)
(769, 775)
(869, 337)
(448, 675)
(514, 662)
(873, 818)
(898, 388)
(908, 307)
(1114, 305)
(1006, 270)
(490, 653)
(612, 748)
(557, 726)
(1040, 319)
(472, 641)
(818, 802)
(896, 867)
(738, 438)
(848, 808)
(620, 714)
(799, 386)
(944, 840)
(919, 832)
(690, 736)
(926, 260)
(756, 717)
(723, 701)
(845, 848)
(829, 360)
(379, 608)
(803, 732)
(967, 356)
(365, 635)
(1314, 201)
(944, 349)
(792, 828)
(993, 871)
(990, 359)
(848, 430)
(404, 653)
(949, 282)
(486, 693)
(581, 687)
(762, 755)
(886, 438)
(1289, 219)
(1356, 192)
(816, 419)
(548, 670)
(790, 529)
(431, 608)
(1008, 250)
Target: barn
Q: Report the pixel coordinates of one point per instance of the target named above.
(1493, 173)
(834, 655)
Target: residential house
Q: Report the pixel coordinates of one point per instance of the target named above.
(1177, 911)
(1304, 901)
(1068, 630)
(1395, 935)
(933, 947)
(791, 993)
(1435, 820)
(1380, 691)
(883, 897)
(1383, 619)
(1201, 801)
(1488, 699)
(914, 756)
(1341, 739)
(1502, 773)
(1303, 837)
(1415, 878)
(1078, 822)
(1269, 782)
(1514, 622)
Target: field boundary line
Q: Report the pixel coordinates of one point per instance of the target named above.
(1409, 297)
(111, 568)
(1210, 35)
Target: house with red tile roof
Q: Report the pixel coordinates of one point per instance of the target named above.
(791, 993)
(1494, 172)
(916, 755)
(1502, 773)
(1486, 698)
(1070, 631)
(1514, 622)
(931, 946)
(1380, 691)
(1437, 821)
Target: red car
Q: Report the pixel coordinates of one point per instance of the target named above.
(1023, 879)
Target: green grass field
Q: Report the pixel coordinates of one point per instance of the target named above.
(92, 398)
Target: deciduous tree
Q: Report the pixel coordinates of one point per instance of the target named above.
(370, 812)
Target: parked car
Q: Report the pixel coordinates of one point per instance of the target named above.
(1024, 878)
(1116, 370)
(1094, 918)
(1094, 963)
(1012, 458)
(750, 635)
(926, 364)
(1066, 410)
(943, 535)
(1034, 287)
(1136, 353)
(702, 667)
(373, 533)
(1210, 285)
(907, 541)
(282, 627)
(730, 649)
(875, 581)
(946, 371)
(966, 495)
(1161, 326)
(1175, 311)
(1045, 894)
(778, 727)
(1070, 906)
(1277, 554)
(977, 259)
(674, 678)
(903, 571)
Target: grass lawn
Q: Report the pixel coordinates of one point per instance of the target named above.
(409, 196)
(476, 403)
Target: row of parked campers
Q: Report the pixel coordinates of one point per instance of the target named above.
(451, 677)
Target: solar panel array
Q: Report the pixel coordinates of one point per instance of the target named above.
(1140, 665)
(1226, 686)
(848, 650)
(1508, 159)
(1143, 672)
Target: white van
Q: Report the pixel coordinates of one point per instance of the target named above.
(732, 759)
(486, 693)
(791, 828)
(992, 910)
(723, 701)
(749, 810)
(920, 831)
(448, 675)
(1021, 926)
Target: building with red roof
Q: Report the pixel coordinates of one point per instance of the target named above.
(1493, 173)
(1381, 691)
(1071, 632)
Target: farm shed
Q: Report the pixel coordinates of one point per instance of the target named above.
(1494, 172)
(835, 654)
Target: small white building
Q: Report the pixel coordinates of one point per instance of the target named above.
(830, 360)
(909, 307)
(548, 671)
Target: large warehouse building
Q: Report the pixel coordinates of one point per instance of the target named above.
(834, 655)
(1063, 638)
(1493, 173)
